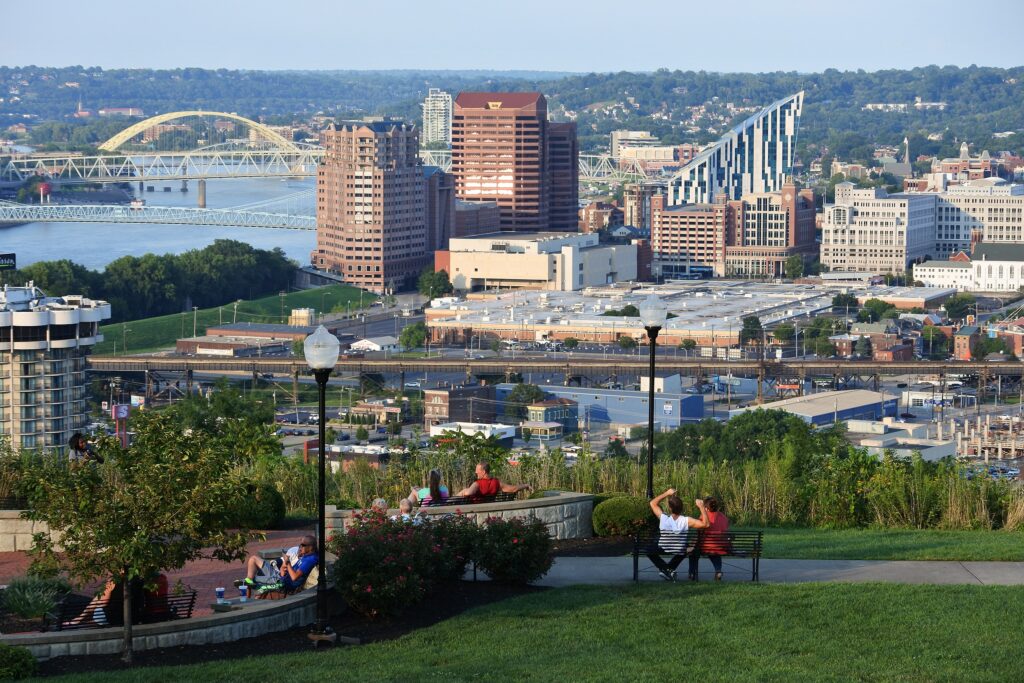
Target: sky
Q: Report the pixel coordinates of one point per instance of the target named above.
(543, 35)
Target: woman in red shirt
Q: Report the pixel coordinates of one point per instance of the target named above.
(714, 541)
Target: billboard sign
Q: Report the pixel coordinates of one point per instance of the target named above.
(120, 411)
(8, 261)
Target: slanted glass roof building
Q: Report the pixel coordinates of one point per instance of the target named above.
(754, 157)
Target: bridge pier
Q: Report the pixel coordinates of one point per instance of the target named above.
(184, 185)
(201, 200)
(142, 186)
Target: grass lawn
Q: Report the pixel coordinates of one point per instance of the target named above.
(151, 334)
(705, 632)
(893, 544)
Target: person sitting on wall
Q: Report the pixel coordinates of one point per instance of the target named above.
(286, 573)
(487, 486)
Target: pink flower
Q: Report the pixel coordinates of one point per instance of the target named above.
(369, 589)
(515, 540)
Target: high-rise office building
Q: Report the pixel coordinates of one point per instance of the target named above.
(505, 151)
(753, 158)
(372, 222)
(437, 118)
(44, 342)
(440, 197)
(636, 203)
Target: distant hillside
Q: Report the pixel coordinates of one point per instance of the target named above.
(977, 102)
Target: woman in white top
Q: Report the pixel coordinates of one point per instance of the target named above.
(672, 530)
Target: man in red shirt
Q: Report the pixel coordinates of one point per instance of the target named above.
(487, 486)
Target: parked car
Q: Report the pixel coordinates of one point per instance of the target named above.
(412, 385)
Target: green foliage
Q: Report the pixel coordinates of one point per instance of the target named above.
(688, 344)
(844, 300)
(434, 284)
(862, 347)
(413, 336)
(527, 434)
(456, 536)
(987, 345)
(621, 516)
(616, 449)
(627, 342)
(959, 305)
(934, 342)
(362, 434)
(514, 550)
(628, 310)
(264, 508)
(602, 497)
(876, 309)
(16, 663)
(752, 331)
(31, 597)
(520, 397)
(784, 333)
(794, 267)
(571, 343)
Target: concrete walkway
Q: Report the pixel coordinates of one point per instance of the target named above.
(568, 571)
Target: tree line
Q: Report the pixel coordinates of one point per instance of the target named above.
(151, 285)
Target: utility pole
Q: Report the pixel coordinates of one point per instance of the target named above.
(195, 317)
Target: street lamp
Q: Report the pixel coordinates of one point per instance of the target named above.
(321, 351)
(653, 315)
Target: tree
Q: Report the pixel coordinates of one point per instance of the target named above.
(794, 266)
(495, 346)
(164, 501)
(299, 348)
(434, 284)
(877, 309)
(958, 305)
(616, 449)
(521, 396)
(627, 342)
(688, 345)
(784, 333)
(571, 342)
(863, 347)
(844, 300)
(413, 336)
(752, 331)
(823, 347)
(527, 434)
(362, 434)
(934, 341)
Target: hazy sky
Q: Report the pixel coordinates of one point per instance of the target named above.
(588, 35)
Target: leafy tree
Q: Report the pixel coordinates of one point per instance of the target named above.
(394, 428)
(877, 309)
(627, 342)
(628, 310)
(495, 346)
(299, 348)
(434, 284)
(823, 347)
(362, 434)
(147, 509)
(986, 345)
(571, 342)
(844, 300)
(958, 305)
(521, 396)
(688, 345)
(794, 267)
(862, 347)
(527, 434)
(751, 332)
(413, 336)
(616, 449)
(784, 333)
(934, 342)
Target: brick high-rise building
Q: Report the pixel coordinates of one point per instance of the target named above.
(372, 214)
(505, 151)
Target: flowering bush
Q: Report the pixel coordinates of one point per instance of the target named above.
(457, 537)
(514, 550)
(383, 565)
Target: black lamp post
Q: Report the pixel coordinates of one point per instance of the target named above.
(321, 351)
(653, 315)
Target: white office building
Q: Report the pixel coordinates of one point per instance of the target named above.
(437, 118)
(988, 207)
(44, 342)
(755, 157)
(993, 267)
(868, 230)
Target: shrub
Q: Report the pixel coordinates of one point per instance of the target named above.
(457, 536)
(514, 550)
(31, 597)
(383, 565)
(602, 497)
(621, 516)
(263, 509)
(16, 663)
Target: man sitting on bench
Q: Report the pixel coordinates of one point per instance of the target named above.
(672, 530)
(487, 486)
(285, 574)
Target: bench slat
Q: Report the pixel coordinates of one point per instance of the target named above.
(745, 544)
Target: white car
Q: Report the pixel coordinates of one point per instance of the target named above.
(412, 385)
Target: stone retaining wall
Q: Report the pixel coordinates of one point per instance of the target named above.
(567, 515)
(255, 618)
(16, 533)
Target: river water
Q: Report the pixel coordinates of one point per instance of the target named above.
(94, 245)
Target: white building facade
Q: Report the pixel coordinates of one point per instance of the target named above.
(868, 230)
(44, 342)
(993, 267)
(437, 118)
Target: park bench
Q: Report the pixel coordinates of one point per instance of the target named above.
(69, 614)
(500, 497)
(742, 544)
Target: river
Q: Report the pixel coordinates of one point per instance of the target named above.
(94, 245)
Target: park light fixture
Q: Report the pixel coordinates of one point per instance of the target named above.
(321, 350)
(653, 315)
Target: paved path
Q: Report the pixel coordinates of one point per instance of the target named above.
(569, 571)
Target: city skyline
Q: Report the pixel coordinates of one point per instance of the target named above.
(209, 35)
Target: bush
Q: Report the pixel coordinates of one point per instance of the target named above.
(457, 536)
(32, 597)
(383, 565)
(263, 509)
(514, 550)
(602, 497)
(16, 663)
(622, 516)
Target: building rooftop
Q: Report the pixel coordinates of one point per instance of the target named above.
(967, 330)
(242, 328)
(998, 251)
(825, 402)
(945, 264)
(483, 100)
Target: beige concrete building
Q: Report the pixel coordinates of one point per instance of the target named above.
(543, 261)
(44, 342)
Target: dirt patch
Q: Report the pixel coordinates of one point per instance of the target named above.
(443, 603)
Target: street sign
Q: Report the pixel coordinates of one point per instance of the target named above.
(667, 407)
(121, 411)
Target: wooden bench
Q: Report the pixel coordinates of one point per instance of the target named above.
(70, 613)
(500, 497)
(743, 544)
